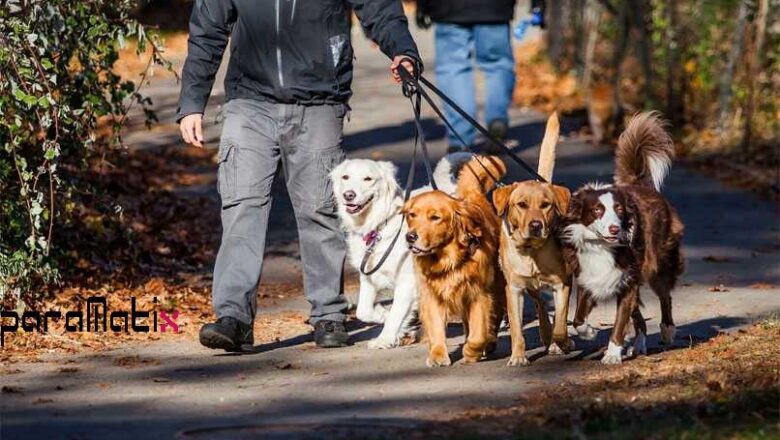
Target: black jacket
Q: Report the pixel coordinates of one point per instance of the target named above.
(288, 51)
(467, 11)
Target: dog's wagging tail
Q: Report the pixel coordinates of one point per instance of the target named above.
(645, 152)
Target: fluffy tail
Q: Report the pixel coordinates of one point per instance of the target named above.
(448, 169)
(644, 152)
(549, 144)
(480, 175)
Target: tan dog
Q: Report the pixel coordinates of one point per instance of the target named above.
(531, 257)
(454, 242)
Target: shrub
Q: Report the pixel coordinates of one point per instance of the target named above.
(56, 89)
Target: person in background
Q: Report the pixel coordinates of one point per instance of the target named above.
(469, 31)
(286, 90)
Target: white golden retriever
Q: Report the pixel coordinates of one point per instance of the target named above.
(369, 205)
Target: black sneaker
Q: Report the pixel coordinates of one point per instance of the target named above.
(497, 128)
(330, 334)
(228, 334)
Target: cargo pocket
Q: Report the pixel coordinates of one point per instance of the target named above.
(226, 176)
(326, 161)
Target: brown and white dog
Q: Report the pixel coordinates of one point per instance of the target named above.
(531, 254)
(623, 235)
(454, 242)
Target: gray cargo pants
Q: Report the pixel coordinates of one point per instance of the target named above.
(256, 137)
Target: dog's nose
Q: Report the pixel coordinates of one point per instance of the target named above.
(614, 229)
(535, 226)
(411, 237)
(349, 195)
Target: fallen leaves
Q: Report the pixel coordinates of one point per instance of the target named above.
(734, 373)
(718, 288)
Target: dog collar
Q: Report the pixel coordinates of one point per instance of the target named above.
(370, 238)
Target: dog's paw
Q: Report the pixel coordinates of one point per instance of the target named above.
(587, 332)
(433, 362)
(381, 343)
(639, 347)
(380, 314)
(611, 359)
(376, 315)
(613, 355)
(667, 334)
(561, 348)
(518, 361)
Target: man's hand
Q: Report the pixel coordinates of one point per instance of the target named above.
(401, 60)
(192, 129)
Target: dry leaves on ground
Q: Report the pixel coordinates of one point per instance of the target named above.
(725, 385)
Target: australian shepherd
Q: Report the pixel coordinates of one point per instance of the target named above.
(621, 236)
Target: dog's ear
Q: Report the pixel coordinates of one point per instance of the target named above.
(630, 217)
(574, 213)
(468, 221)
(562, 198)
(406, 207)
(501, 198)
(387, 171)
(335, 173)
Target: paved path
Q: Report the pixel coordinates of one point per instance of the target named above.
(200, 394)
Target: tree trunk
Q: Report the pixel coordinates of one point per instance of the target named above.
(638, 18)
(555, 32)
(755, 72)
(580, 29)
(674, 105)
(624, 27)
(591, 22)
(725, 91)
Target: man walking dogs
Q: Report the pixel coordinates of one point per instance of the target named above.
(286, 91)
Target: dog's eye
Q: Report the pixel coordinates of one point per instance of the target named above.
(367, 179)
(345, 177)
(545, 205)
(618, 208)
(522, 205)
(434, 218)
(411, 215)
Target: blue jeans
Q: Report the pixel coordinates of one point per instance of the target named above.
(457, 46)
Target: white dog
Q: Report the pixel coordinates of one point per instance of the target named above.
(369, 205)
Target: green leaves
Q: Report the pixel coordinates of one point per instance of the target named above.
(56, 82)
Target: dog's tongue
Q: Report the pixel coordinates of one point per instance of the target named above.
(352, 208)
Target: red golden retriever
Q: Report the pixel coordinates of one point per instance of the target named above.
(454, 243)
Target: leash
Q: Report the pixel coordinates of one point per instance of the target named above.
(412, 88)
(419, 139)
(413, 83)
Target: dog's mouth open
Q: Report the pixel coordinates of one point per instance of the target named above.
(417, 251)
(356, 208)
